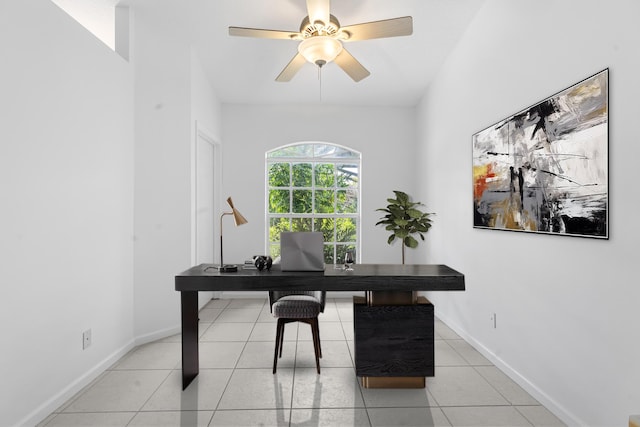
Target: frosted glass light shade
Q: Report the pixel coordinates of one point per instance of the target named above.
(320, 50)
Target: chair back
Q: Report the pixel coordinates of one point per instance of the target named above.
(274, 296)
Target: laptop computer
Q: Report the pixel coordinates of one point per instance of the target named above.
(301, 251)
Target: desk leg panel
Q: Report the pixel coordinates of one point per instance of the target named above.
(190, 360)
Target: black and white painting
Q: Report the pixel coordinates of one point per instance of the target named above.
(545, 169)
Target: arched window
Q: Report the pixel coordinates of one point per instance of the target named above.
(314, 186)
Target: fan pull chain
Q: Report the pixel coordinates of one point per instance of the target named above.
(320, 80)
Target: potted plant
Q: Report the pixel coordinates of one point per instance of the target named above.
(404, 219)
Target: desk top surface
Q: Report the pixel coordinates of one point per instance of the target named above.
(364, 277)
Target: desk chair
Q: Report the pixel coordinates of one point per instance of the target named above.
(297, 306)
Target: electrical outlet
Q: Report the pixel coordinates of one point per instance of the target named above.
(494, 318)
(86, 339)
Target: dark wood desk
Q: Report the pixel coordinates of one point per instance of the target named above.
(365, 277)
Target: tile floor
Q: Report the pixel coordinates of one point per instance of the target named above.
(236, 387)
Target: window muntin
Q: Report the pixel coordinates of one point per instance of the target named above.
(314, 187)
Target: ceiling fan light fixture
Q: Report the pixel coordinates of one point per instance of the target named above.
(321, 38)
(320, 50)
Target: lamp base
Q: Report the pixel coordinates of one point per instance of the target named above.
(228, 268)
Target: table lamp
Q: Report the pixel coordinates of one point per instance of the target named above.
(239, 220)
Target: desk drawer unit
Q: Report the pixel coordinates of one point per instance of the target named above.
(394, 340)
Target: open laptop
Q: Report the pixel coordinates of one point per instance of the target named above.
(301, 251)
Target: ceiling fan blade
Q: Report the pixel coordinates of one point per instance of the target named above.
(351, 66)
(291, 69)
(265, 34)
(379, 29)
(318, 10)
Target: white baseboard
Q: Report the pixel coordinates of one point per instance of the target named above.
(549, 403)
(157, 335)
(48, 407)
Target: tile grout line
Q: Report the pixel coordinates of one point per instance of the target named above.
(293, 376)
(233, 370)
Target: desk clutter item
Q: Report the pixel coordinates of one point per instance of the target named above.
(262, 261)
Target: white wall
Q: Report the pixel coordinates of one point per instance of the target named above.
(170, 96)
(66, 181)
(162, 167)
(205, 107)
(567, 322)
(384, 136)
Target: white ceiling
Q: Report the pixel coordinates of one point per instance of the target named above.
(243, 70)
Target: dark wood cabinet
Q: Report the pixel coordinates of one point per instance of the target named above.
(394, 340)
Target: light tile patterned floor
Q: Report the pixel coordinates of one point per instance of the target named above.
(236, 387)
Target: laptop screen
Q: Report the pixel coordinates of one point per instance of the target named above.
(301, 251)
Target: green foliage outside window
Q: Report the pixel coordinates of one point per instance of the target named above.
(314, 187)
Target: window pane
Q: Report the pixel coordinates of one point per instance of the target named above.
(302, 201)
(345, 230)
(313, 150)
(324, 201)
(326, 226)
(299, 150)
(301, 224)
(325, 176)
(324, 150)
(347, 201)
(329, 257)
(279, 175)
(277, 226)
(347, 175)
(274, 251)
(332, 151)
(278, 201)
(301, 174)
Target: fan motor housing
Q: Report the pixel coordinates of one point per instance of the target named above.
(309, 29)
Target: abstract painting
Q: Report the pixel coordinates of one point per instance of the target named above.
(545, 169)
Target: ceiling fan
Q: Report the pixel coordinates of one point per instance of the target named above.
(321, 38)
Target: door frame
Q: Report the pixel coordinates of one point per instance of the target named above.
(202, 133)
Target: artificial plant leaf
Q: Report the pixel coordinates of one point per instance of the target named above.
(401, 234)
(396, 211)
(402, 197)
(411, 242)
(391, 238)
(401, 222)
(414, 213)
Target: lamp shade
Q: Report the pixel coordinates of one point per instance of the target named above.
(237, 216)
(320, 50)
